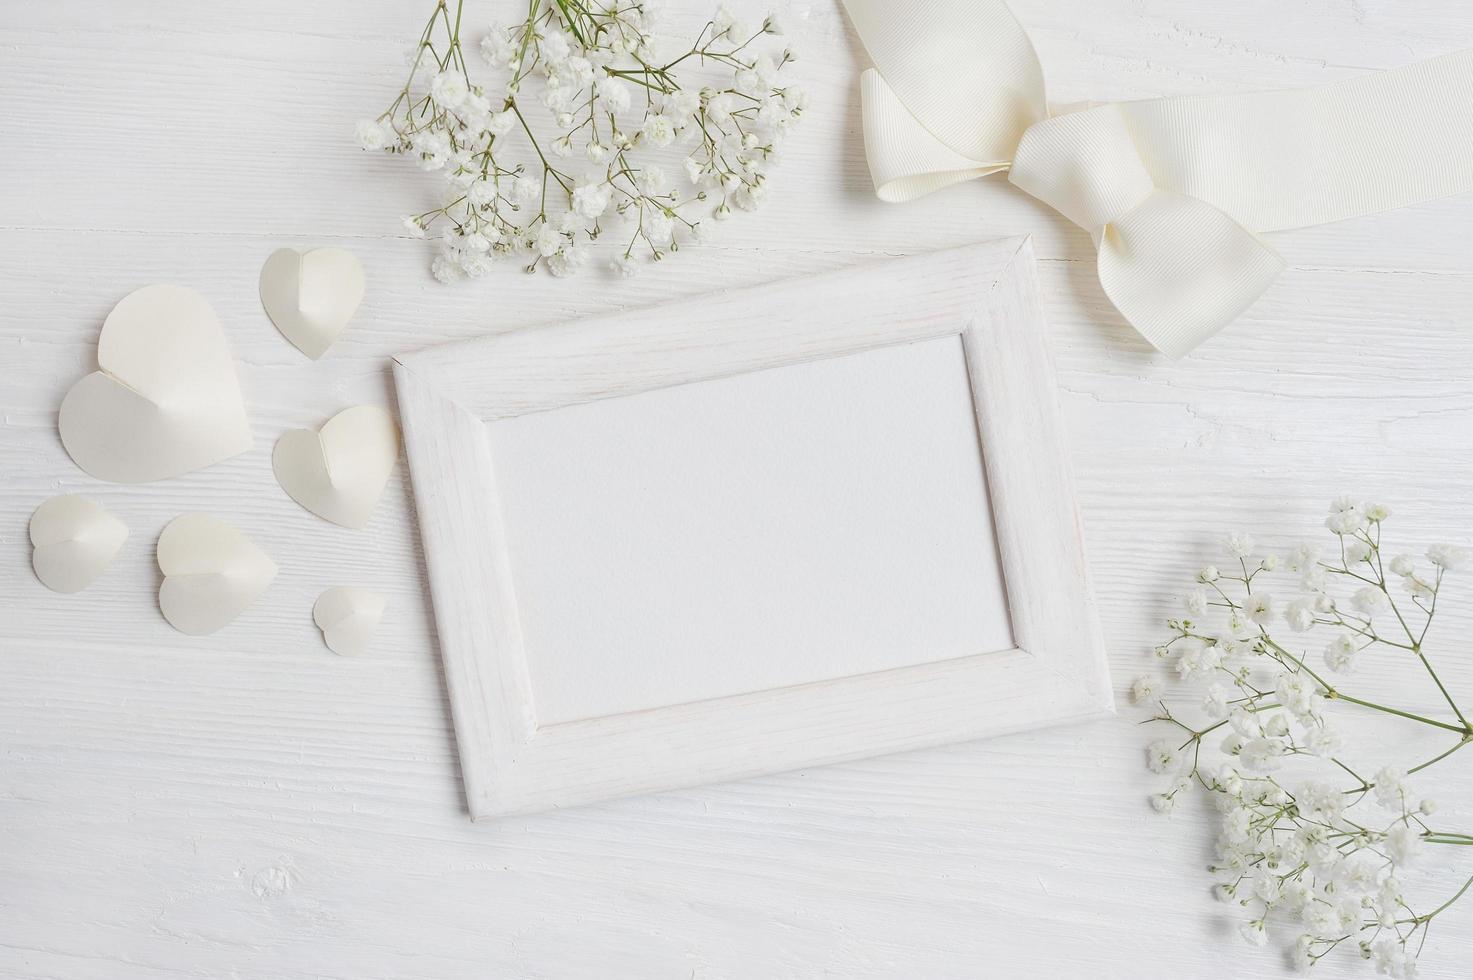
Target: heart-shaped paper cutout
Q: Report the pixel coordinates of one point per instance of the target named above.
(312, 295)
(347, 617)
(164, 400)
(74, 539)
(339, 472)
(212, 572)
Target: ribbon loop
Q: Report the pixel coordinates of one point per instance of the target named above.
(1174, 266)
(1085, 166)
(905, 160)
(1178, 269)
(1174, 192)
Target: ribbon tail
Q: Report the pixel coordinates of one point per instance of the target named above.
(1299, 157)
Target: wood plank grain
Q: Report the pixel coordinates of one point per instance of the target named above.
(251, 805)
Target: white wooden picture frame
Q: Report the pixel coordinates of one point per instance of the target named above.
(498, 422)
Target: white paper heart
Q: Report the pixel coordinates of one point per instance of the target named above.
(212, 572)
(74, 539)
(164, 400)
(312, 295)
(339, 472)
(347, 617)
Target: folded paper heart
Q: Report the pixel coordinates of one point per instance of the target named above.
(212, 572)
(164, 400)
(339, 473)
(311, 295)
(74, 540)
(1175, 192)
(348, 617)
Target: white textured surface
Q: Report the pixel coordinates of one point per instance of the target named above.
(250, 805)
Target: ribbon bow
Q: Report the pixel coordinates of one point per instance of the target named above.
(1175, 192)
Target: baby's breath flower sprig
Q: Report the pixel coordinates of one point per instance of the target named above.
(1312, 841)
(615, 101)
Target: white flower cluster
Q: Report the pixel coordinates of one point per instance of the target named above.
(1308, 843)
(617, 110)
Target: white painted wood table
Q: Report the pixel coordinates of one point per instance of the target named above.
(249, 805)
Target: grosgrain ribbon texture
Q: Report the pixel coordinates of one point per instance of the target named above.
(1175, 192)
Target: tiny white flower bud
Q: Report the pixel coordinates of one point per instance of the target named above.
(1240, 545)
(1254, 933)
(1144, 688)
(1447, 557)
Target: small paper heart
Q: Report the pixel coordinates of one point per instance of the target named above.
(75, 539)
(348, 617)
(212, 572)
(311, 295)
(339, 472)
(164, 400)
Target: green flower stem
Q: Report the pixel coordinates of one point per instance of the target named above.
(1438, 681)
(570, 20)
(455, 33)
(1423, 919)
(1334, 695)
(1364, 783)
(1416, 647)
(547, 168)
(1436, 759)
(1432, 607)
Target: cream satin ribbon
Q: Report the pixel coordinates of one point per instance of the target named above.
(1175, 192)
